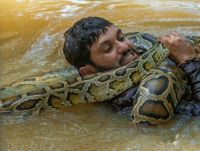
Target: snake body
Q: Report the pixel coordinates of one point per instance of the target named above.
(161, 86)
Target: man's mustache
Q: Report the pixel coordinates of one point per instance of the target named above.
(126, 54)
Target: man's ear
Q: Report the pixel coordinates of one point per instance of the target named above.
(87, 70)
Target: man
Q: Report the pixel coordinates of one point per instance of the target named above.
(94, 45)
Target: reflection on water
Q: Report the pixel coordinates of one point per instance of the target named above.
(31, 37)
(95, 127)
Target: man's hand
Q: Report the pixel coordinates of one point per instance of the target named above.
(180, 48)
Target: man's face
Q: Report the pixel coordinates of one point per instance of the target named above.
(112, 50)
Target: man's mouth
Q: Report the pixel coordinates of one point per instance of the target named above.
(128, 57)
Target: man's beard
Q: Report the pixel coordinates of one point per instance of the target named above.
(100, 68)
(123, 58)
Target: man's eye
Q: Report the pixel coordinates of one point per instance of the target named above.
(107, 48)
(121, 38)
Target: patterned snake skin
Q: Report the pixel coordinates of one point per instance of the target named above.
(161, 86)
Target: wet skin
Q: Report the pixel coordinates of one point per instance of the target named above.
(110, 51)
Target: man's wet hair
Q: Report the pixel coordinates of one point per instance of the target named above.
(80, 37)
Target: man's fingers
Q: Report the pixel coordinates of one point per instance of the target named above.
(177, 36)
(175, 33)
(165, 40)
(171, 39)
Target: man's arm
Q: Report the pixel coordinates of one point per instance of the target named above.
(192, 69)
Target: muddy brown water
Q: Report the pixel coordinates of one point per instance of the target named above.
(31, 39)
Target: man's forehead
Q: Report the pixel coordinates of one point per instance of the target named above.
(111, 31)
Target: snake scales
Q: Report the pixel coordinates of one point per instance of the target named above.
(161, 86)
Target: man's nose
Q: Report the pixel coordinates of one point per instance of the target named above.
(122, 47)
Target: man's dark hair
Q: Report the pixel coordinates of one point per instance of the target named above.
(80, 37)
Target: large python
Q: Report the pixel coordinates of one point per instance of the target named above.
(161, 86)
